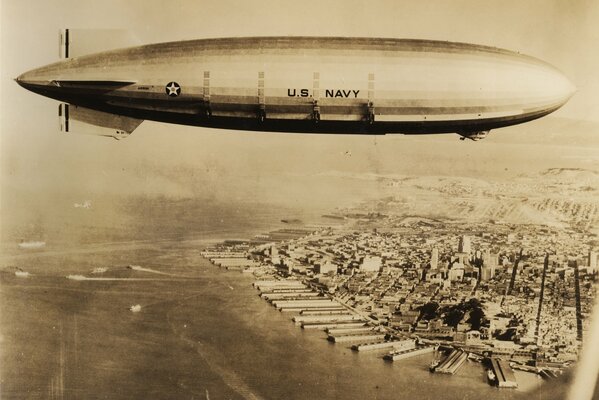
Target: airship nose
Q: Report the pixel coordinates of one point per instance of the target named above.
(29, 81)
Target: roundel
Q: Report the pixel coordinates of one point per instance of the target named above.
(173, 89)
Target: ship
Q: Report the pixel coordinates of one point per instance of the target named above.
(491, 376)
(32, 244)
(135, 308)
(76, 277)
(22, 274)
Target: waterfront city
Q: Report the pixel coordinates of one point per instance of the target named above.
(506, 295)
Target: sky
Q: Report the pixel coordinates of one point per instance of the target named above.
(37, 161)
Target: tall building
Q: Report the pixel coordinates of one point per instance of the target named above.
(489, 264)
(371, 264)
(435, 258)
(592, 261)
(464, 245)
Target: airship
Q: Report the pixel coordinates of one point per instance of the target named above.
(345, 85)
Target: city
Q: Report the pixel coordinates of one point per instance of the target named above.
(490, 292)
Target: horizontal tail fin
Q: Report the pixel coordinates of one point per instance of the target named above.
(104, 124)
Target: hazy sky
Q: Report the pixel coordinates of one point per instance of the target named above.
(160, 158)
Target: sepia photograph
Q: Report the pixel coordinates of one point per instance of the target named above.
(344, 199)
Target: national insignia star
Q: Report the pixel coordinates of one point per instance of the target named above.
(173, 89)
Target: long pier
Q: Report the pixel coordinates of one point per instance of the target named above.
(334, 325)
(315, 319)
(349, 331)
(391, 345)
(408, 353)
(503, 373)
(356, 338)
(453, 362)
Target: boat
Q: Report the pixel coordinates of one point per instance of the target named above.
(135, 308)
(76, 277)
(32, 245)
(434, 364)
(475, 357)
(22, 274)
(99, 270)
(491, 376)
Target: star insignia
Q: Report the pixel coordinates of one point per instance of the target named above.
(173, 89)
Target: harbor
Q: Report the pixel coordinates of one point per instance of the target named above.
(314, 309)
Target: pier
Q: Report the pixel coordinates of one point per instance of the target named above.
(453, 362)
(302, 309)
(334, 325)
(289, 295)
(408, 353)
(348, 331)
(392, 345)
(264, 286)
(357, 338)
(316, 319)
(503, 373)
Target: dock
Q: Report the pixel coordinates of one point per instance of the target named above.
(503, 373)
(319, 319)
(357, 338)
(334, 325)
(264, 286)
(390, 345)
(324, 312)
(408, 353)
(302, 309)
(348, 331)
(269, 296)
(452, 362)
(323, 303)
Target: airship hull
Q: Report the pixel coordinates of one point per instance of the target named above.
(304, 84)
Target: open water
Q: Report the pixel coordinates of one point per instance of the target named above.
(201, 333)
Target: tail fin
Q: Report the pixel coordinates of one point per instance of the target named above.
(105, 124)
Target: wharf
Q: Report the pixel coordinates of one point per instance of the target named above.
(294, 298)
(356, 338)
(321, 303)
(348, 331)
(392, 345)
(305, 308)
(223, 254)
(289, 296)
(333, 325)
(503, 373)
(264, 286)
(286, 290)
(324, 312)
(319, 319)
(408, 353)
(453, 362)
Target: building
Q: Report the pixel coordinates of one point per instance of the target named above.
(592, 261)
(371, 264)
(435, 258)
(325, 267)
(489, 264)
(456, 273)
(464, 245)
